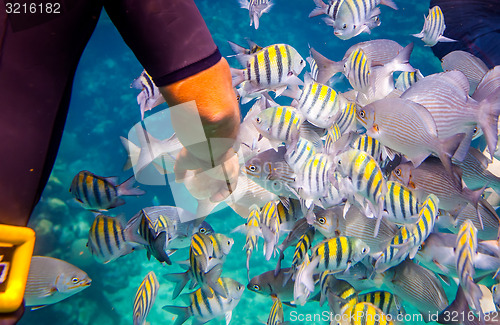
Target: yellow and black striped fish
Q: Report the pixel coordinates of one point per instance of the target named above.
(276, 314)
(369, 145)
(332, 135)
(407, 78)
(465, 253)
(280, 123)
(319, 104)
(365, 313)
(156, 237)
(434, 27)
(270, 226)
(347, 120)
(357, 70)
(314, 179)
(150, 95)
(101, 193)
(272, 67)
(108, 239)
(298, 155)
(401, 204)
(303, 245)
(205, 308)
(423, 227)
(145, 298)
(384, 300)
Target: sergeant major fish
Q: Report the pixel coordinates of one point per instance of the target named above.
(150, 95)
(255, 9)
(434, 27)
(109, 239)
(101, 193)
(145, 298)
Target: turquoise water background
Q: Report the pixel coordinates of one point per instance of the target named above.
(103, 107)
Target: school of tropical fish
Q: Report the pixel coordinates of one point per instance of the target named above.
(385, 193)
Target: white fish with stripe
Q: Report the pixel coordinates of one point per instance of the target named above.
(279, 124)
(406, 79)
(313, 180)
(319, 103)
(51, 280)
(150, 95)
(471, 66)
(434, 27)
(273, 68)
(255, 9)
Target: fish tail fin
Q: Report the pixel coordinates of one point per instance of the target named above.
(475, 197)
(127, 188)
(237, 49)
(326, 67)
(238, 76)
(307, 278)
(244, 4)
(458, 306)
(131, 231)
(419, 35)
(133, 152)
(159, 245)
(488, 112)
(180, 279)
(448, 148)
(445, 39)
(402, 61)
(389, 3)
(182, 313)
(270, 242)
(473, 294)
(278, 264)
(249, 254)
(320, 9)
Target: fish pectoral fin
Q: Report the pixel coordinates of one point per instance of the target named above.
(37, 307)
(228, 316)
(441, 267)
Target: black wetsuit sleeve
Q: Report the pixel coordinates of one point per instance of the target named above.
(169, 38)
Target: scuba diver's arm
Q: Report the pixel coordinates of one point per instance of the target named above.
(176, 48)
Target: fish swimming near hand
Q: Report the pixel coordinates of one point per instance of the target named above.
(101, 193)
(51, 280)
(150, 95)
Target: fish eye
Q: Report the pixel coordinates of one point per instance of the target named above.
(475, 130)
(252, 168)
(398, 172)
(494, 289)
(321, 221)
(344, 26)
(364, 250)
(75, 280)
(302, 61)
(258, 120)
(256, 287)
(362, 113)
(202, 230)
(339, 162)
(229, 242)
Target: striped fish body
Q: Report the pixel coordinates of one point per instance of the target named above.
(471, 66)
(270, 227)
(279, 123)
(347, 120)
(313, 180)
(384, 300)
(329, 9)
(365, 174)
(434, 27)
(145, 298)
(302, 247)
(255, 9)
(425, 223)
(270, 170)
(156, 245)
(333, 196)
(202, 251)
(365, 313)
(393, 255)
(400, 203)
(357, 70)
(109, 239)
(406, 79)
(409, 128)
(297, 155)
(253, 229)
(432, 178)
(221, 245)
(319, 104)
(332, 287)
(204, 308)
(465, 253)
(357, 16)
(51, 280)
(314, 67)
(101, 193)
(445, 96)
(274, 66)
(150, 95)
(369, 145)
(276, 314)
(332, 135)
(338, 253)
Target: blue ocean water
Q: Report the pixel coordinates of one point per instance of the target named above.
(103, 107)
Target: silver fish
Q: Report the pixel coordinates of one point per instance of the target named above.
(150, 95)
(409, 128)
(255, 9)
(51, 280)
(471, 66)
